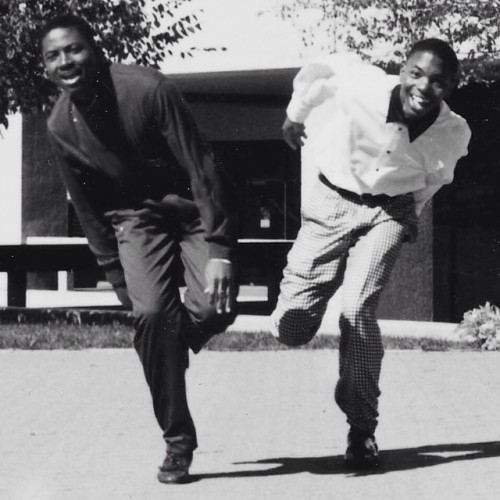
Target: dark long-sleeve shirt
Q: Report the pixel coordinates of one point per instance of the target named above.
(140, 144)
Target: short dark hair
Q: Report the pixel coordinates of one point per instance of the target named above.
(441, 49)
(69, 20)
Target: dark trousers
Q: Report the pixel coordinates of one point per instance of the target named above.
(155, 247)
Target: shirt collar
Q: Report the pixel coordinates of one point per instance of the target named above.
(104, 100)
(415, 127)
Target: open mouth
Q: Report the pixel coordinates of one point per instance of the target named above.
(419, 103)
(70, 79)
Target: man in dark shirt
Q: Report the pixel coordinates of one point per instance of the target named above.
(151, 201)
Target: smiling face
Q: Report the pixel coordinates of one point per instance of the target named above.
(71, 61)
(425, 82)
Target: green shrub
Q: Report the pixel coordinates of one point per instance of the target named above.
(481, 327)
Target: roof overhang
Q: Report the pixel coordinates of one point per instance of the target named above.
(256, 83)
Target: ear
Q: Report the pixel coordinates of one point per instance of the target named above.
(450, 89)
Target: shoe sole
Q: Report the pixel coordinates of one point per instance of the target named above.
(167, 478)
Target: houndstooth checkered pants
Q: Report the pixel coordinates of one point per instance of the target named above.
(347, 241)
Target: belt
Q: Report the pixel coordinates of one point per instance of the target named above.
(366, 197)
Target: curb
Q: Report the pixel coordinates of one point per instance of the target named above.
(79, 316)
(250, 323)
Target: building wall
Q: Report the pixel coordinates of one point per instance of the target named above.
(410, 292)
(44, 205)
(10, 181)
(231, 121)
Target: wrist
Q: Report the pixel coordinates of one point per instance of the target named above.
(219, 259)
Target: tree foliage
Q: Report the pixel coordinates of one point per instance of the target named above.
(384, 30)
(141, 31)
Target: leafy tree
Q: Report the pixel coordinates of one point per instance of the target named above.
(141, 31)
(384, 30)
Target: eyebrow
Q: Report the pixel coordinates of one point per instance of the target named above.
(48, 52)
(65, 47)
(441, 74)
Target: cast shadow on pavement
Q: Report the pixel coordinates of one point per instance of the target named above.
(390, 461)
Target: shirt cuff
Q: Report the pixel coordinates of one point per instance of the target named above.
(115, 277)
(218, 251)
(227, 261)
(297, 111)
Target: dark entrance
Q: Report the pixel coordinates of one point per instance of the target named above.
(267, 181)
(467, 213)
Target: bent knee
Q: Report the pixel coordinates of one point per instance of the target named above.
(209, 320)
(294, 328)
(353, 314)
(290, 339)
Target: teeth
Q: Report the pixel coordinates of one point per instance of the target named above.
(418, 101)
(70, 80)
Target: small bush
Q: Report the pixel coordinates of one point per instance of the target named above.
(481, 327)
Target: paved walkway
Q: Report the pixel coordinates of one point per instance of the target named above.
(389, 328)
(79, 426)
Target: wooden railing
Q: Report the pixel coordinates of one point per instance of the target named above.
(73, 254)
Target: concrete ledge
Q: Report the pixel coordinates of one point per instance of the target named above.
(389, 328)
(102, 316)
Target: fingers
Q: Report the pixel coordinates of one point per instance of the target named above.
(229, 298)
(220, 295)
(219, 276)
(210, 291)
(222, 303)
(294, 134)
(296, 140)
(290, 141)
(123, 296)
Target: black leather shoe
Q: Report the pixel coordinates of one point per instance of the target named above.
(175, 469)
(362, 450)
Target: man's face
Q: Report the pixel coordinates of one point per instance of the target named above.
(424, 84)
(70, 61)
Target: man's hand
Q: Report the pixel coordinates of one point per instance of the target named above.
(294, 133)
(123, 296)
(220, 284)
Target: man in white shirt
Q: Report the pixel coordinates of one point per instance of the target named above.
(389, 144)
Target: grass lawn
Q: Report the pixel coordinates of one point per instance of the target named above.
(61, 335)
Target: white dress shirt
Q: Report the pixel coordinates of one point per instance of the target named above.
(358, 149)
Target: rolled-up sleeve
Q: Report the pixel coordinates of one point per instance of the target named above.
(316, 82)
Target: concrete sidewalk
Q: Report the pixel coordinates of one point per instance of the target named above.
(389, 328)
(79, 426)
